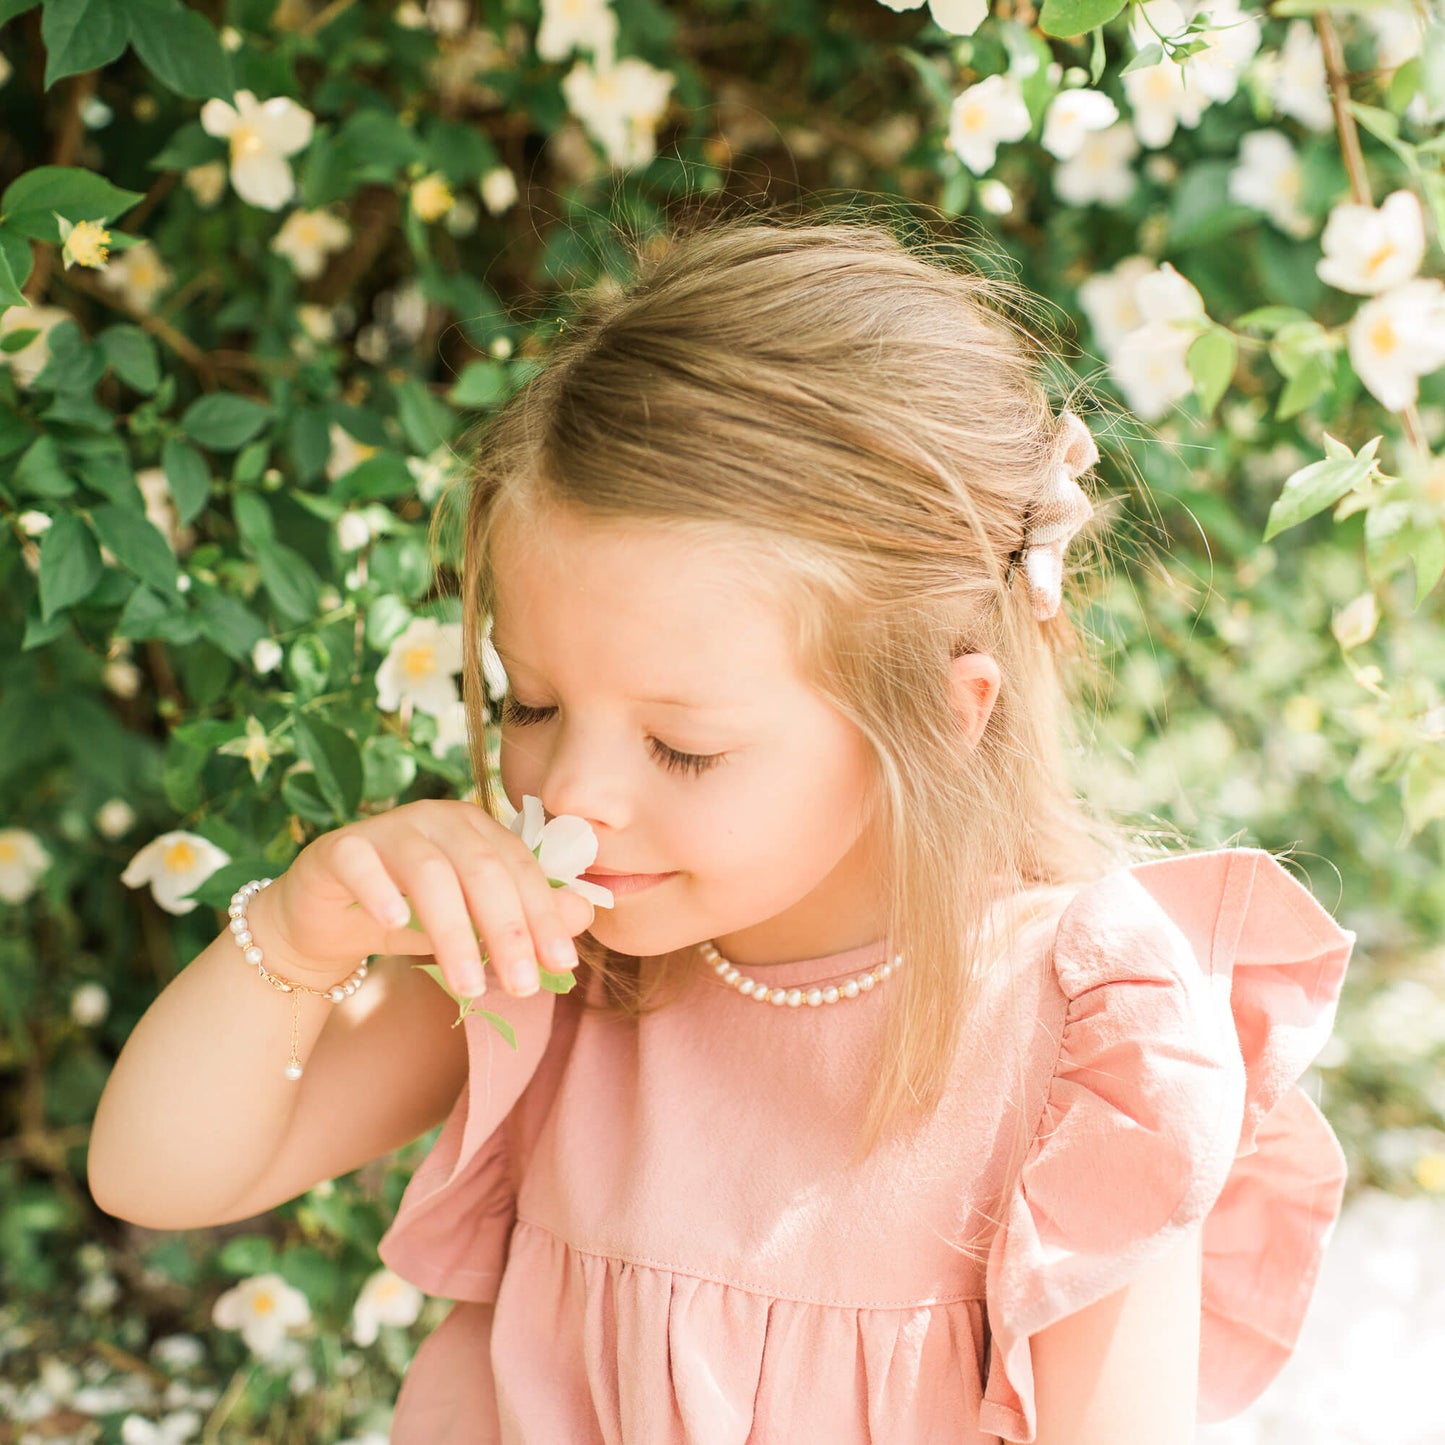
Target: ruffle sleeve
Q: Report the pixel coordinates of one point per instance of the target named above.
(450, 1233)
(1198, 989)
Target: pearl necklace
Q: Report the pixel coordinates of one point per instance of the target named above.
(794, 997)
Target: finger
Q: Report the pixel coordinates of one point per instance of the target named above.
(541, 904)
(431, 881)
(493, 887)
(358, 866)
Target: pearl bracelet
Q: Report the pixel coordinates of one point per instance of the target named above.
(251, 951)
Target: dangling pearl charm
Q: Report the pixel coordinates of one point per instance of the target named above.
(814, 997)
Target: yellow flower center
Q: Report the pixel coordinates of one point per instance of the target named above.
(419, 661)
(180, 857)
(1430, 1172)
(431, 198)
(8, 851)
(307, 232)
(262, 1303)
(245, 141)
(1383, 337)
(1379, 258)
(87, 242)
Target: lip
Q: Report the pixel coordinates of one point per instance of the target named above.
(623, 883)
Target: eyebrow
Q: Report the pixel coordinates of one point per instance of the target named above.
(697, 704)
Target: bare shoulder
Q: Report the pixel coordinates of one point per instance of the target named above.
(387, 1068)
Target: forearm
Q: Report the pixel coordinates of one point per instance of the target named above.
(198, 1101)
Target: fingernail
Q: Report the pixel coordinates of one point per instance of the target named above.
(528, 983)
(561, 954)
(473, 984)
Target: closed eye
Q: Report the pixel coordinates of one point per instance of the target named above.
(520, 715)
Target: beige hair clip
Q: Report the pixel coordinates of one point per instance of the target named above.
(1054, 517)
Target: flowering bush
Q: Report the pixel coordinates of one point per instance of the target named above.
(263, 262)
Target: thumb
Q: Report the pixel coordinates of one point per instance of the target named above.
(576, 911)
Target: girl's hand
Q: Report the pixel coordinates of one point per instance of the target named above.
(464, 873)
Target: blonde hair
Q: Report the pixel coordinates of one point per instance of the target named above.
(866, 416)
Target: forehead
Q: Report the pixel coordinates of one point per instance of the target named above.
(647, 601)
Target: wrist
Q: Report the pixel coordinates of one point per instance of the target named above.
(263, 918)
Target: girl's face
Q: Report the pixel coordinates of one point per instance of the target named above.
(654, 693)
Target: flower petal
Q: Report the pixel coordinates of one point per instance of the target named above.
(263, 180)
(594, 893)
(569, 846)
(218, 118)
(284, 126)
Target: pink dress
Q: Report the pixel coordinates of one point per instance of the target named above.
(654, 1236)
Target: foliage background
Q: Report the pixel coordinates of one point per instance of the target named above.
(216, 475)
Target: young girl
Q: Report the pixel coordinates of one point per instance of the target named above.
(897, 1099)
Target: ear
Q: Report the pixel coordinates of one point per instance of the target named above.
(976, 681)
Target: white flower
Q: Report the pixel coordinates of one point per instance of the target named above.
(620, 105)
(89, 1004)
(23, 858)
(385, 1299)
(1399, 33)
(160, 510)
(451, 730)
(1071, 115)
(346, 452)
(1296, 79)
(1398, 337)
(353, 531)
(494, 674)
(958, 17)
(262, 1309)
(1110, 302)
(995, 197)
(174, 865)
(35, 524)
(1101, 172)
(421, 666)
(173, 1430)
(448, 17)
(1148, 362)
(410, 16)
(1355, 623)
(114, 818)
(1367, 251)
(178, 1352)
(318, 322)
(1269, 177)
(1160, 101)
(431, 473)
(262, 135)
(499, 190)
(569, 25)
(984, 114)
(565, 846)
(431, 197)
(27, 363)
(266, 656)
(1231, 40)
(206, 182)
(121, 677)
(138, 275)
(307, 238)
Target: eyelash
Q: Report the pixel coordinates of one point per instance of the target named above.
(521, 715)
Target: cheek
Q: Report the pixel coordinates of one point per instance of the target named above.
(513, 769)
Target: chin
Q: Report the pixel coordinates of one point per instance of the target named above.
(643, 939)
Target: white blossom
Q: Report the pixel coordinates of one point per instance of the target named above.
(1071, 116)
(569, 25)
(620, 106)
(160, 509)
(1368, 250)
(262, 1308)
(346, 452)
(23, 858)
(499, 190)
(89, 1004)
(451, 729)
(984, 114)
(1355, 623)
(266, 656)
(114, 818)
(307, 238)
(138, 276)
(35, 524)
(1110, 302)
(385, 1299)
(1101, 173)
(27, 363)
(1396, 338)
(1269, 177)
(421, 666)
(174, 864)
(206, 182)
(565, 847)
(1295, 77)
(262, 135)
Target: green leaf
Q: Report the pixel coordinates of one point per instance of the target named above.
(1065, 18)
(291, 581)
(70, 564)
(137, 545)
(1313, 488)
(40, 471)
(132, 356)
(226, 621)
(179, 47)
(30, 202)
(253, 518)
(16, 252)
(10, 292)
(82, 35)
(1149, 56)
(224, 422)
(1270, 319)
(336, 761)
(189, 479)
(1210, 359)
(481, 384)
(9, 9)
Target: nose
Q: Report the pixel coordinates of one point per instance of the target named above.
(581, 781)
